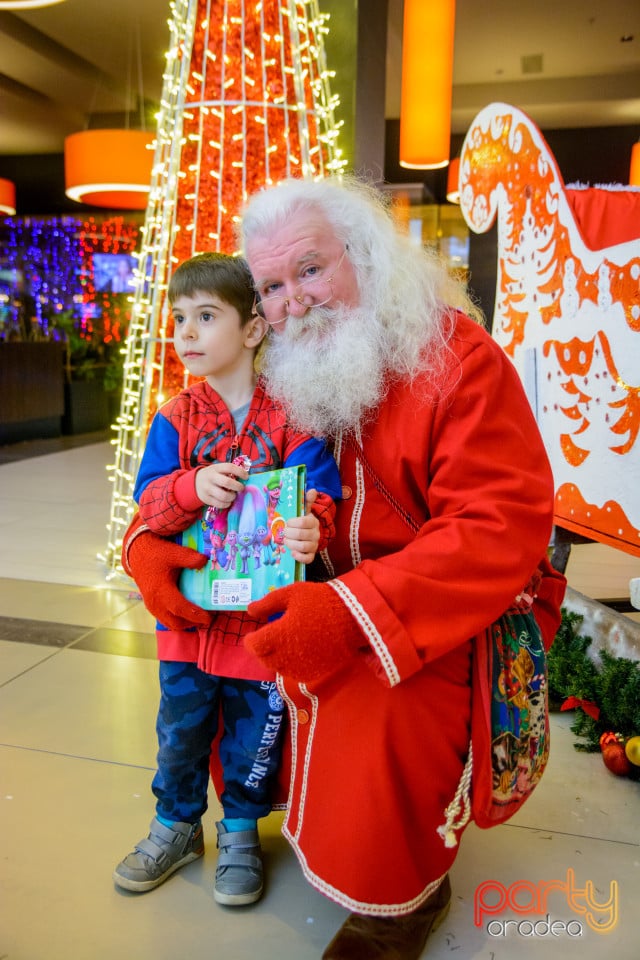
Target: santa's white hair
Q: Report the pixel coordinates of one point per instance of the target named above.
(401, 328)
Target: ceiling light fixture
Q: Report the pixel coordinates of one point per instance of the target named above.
(7, 197)
(634, 173)
(109, 168)
(26, 4)
(427, 74)
(453, 176)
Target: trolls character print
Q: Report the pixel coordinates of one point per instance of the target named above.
(244, 545)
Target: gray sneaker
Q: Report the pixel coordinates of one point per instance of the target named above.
(155, 858)
(239, 870)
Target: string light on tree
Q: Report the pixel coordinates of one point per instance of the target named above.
(246, 101)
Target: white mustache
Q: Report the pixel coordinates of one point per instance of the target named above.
(317, 320)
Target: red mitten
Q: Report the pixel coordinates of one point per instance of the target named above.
(315, 635)
(155, 565)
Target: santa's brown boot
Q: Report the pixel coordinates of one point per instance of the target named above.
(390, 938)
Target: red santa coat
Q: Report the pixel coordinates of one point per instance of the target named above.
(379, 746)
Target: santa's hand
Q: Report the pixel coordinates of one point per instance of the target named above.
(155, 565)
(314, 635)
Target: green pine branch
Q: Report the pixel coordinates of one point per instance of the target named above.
(613, 685)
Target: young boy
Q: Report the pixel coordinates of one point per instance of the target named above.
(208, 675)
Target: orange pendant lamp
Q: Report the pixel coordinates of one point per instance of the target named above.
(27, 4)
(453, 176)
(427, 74)
(109, 168)
(7, 197)
(634, 173)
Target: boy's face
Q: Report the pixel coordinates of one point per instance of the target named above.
(209, 338)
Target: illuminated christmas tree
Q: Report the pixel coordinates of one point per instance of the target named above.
(246, 102)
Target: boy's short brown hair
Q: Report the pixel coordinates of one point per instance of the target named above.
(227, 277)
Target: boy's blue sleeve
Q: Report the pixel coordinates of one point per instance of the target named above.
(161, 454)
(322, 470)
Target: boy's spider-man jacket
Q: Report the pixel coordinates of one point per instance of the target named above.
(193, 429)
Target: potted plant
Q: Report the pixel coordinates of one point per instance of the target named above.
(90, 373)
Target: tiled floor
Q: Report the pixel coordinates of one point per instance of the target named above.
(78, 696)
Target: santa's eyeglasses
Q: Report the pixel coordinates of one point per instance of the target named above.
(313, 292)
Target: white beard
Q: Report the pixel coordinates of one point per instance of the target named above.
(327, 368)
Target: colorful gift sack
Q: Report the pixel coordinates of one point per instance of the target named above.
(509, 746)
(509, 717)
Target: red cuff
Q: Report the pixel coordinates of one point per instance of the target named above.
(135, 528)
(324, 509)
(184, 491)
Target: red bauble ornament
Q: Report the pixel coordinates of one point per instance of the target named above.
(608, 737)
(616, 760)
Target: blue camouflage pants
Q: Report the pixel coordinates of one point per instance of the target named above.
(192, 703)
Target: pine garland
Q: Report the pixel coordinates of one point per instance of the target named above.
(614, 686)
